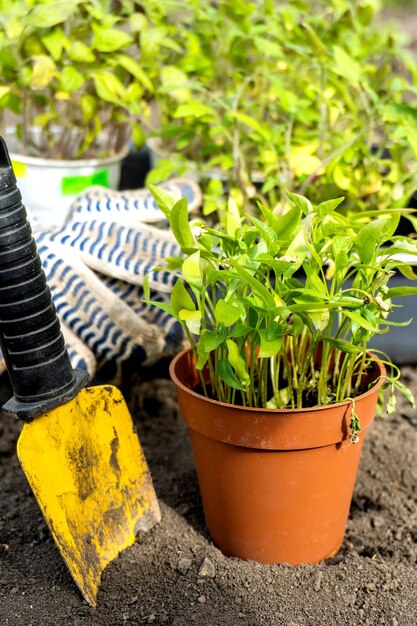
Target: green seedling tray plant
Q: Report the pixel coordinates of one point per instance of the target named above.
(72, 83)
(263, 336)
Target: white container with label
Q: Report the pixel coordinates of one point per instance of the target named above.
(49, 186)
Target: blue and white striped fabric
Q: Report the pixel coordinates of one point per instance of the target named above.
(124, 252)
(132, 295)
(95, 266)
(132, 206)
(109, 327)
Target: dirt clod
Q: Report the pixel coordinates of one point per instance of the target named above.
(184, 565)
(207, 568)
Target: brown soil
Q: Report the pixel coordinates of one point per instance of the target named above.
(372, 580)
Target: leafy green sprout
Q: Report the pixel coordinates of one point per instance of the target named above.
(314, 97)
(71, 82)
(279, 312)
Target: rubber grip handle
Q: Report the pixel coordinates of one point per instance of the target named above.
(30, 334)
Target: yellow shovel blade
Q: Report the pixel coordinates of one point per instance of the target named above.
(86, 468)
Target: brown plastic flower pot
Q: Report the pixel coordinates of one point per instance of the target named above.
(276, 485)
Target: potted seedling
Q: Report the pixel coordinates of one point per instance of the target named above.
(279, 387)
(73, 91)
(300, 96)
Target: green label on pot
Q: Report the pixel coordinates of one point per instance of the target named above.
(71, 185)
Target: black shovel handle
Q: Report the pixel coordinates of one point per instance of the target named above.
(30, 334)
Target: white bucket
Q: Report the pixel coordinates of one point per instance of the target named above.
(49, 186)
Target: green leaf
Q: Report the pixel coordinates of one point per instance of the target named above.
(237, 362)
(268, 47)
(191, 270)
(362, 322)
(71, 79)
(4, 91)
(135, 69)
(228, 376)
(346, 66)
(267, 234)
(315, 41)
(163, 170)
(394, 292)
(269, 216)
(108, 86)
(203, 355)
(256, 285)
(44, 70)
(48, 15)
(320, 320)
(163, 199)
(280, 400)
(138, 136)
(181, 299)
(13, 28)
(164, 307)
(405, 391)
(80, 53)
(180, 226)
(288, 223)
(407, 271)
(192, 320)
(328, 206)
(400, 324)
(210, 340)
(366, 242)
(228, 312)
(269, 347)
(301, 202)
(195, 110)
(174, 83)
(240, 330)
(146, 289)
(88, 105)
(252, 123)
(314, 281)
(342, 345)
(110, 39)
(56, 42)
(389, 226)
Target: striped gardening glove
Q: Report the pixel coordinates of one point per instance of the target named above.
(95, 266)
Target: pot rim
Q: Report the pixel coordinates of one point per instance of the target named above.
(69, 163)
(323, 407)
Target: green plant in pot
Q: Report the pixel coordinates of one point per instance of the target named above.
(72, 92)
(313, 97)
(278, 386)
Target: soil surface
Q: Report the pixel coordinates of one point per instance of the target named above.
(175, 576)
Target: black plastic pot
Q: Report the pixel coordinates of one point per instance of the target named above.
(135, 167)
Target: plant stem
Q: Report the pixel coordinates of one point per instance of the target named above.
(362, 370)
